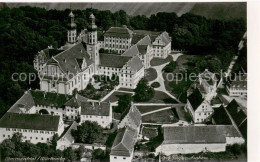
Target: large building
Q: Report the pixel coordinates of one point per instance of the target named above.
(33, 127)
(192, 139)
(72, 66)
(118, 39)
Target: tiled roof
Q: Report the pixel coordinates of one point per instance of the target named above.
(153, 35)
(95, 108)
(30, 121)
(25, 103)
(233, 107)
(67, 60)
(124, 142)
(76, 101)
(165, 38)
(121, 32)
(112, 60)
(49, 98)
(227, 130)
(132, 51)
(192, 134)
(135, 64)
(238, 81)
(221, 117)
(195, 99)
(135, 115)
(145, 41)
(142, 49)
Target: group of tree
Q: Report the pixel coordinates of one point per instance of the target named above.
(88, 132)
(15, 148)
(143, 92)
(170, 67)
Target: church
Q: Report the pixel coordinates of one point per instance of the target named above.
(73, 65)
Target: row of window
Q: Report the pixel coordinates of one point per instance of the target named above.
(25, 137)
(115, 39)
(29, 130)
(117, 46)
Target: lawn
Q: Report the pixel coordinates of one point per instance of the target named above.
(161, 97)
(161, 117)
(114, 96)
(160, 61)
(182, 61)
(150, 74)
(145, 109)
(150, 132)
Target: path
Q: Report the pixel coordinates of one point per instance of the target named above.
(162, 109)
(160, 78)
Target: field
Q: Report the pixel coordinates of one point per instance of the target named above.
(161, 117)
(150, 74)
(145, 109)
(161, 97)
(114, 96)
(160, 61)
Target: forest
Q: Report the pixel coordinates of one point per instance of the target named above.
(27, 30)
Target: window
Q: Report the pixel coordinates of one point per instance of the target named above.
(42, 138)
(3, 135)
(124, 158)
(115, 157)
(36, 137)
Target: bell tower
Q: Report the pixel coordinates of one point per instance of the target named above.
(72, 32)
(92, 44)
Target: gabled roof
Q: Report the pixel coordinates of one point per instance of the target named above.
(76, 101)
(30, 121)
(124, 142)
(221, 117)
(132, 51)
(95, 108)
(112, 60)
(68, 59)
(142, 49)
(232, 107)
(195, 99)
(192, 134)
(25, 103)
(165, 38)
(135, 115)
(153, 35)
(121, 32)
(135, 64)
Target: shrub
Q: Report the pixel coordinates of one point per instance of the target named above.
(155, 84)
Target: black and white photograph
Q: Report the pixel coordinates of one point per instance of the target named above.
(126, 81)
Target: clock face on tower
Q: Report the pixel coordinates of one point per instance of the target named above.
(90, 48)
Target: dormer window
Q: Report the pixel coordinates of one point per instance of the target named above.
(64, 60)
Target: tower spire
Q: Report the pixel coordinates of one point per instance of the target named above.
(72, 33)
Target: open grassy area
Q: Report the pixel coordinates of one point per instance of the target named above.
(150, 132)
(150, 74)
(159, 61)
(115, 96)
(161, 97)
(161, 117)
(145, 109)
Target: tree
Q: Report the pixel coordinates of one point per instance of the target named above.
(143, 92)
(124, 103)
(54, 141)
(87, 132)
(69, 154)
(170, 67)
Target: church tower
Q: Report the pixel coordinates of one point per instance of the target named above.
(72, 32)
(92, 44)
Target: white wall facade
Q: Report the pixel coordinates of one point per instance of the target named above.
(235, 140)
(169, 149)
(34, 136)
(117, 44)
(235, 92)
(114, 158)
